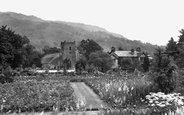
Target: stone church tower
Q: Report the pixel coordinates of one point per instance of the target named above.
(68, 54)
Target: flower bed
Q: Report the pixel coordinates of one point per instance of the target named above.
(132, 95)
(120, 92)
(164, 103)
(33, 95)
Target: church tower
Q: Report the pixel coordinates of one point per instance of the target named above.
(68, 54)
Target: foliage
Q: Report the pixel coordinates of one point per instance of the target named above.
(164, 78)
(86, 47)
(180, 57)
(34, 96)
(120, 92)
(81, 64)
(101, 60)
(35, 58)
(146, 63)
(14, 48)
(171, 48)
(130, 64)
(181, 37)
(161, 61)
(7, 75)
(50, 50)
(177, 50)
(120, 49)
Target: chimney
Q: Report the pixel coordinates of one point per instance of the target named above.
(113, 49)
(138, 49)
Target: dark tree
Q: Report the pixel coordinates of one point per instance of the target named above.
(129, 64)
(164, 79)
(88, 46)
(120, 49)
(171, 46)
(101, 60)
(35, 58)
(50, 50)
(81, 64)
(146, 62)
(158, 57)
(13, 48)
(171, 49)
(181, 37)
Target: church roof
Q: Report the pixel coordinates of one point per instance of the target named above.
(50, 59)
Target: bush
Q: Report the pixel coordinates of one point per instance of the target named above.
(7, 76)
(165, 81)
(130, 64)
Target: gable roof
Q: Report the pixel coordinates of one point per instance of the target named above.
(126, 54)
(50, 58)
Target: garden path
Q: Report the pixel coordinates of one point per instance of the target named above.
(83, 92)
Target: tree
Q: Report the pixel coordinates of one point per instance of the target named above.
(129, 64)
(180, 48)
(164, 78)
(146, 63)
(171, 46)
(81, 64)
(89, 46)
(50, 50)
(101, 60)
(181, 37)
(12, 47)
(34, 58)
(120, 49)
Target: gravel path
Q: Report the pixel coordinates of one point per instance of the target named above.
(84, 93)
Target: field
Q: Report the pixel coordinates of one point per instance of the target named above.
(130, 94)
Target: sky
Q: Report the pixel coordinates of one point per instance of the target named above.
(152, 21)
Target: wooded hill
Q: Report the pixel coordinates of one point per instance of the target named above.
(51, 33)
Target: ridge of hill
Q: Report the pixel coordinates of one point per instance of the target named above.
(42, 32)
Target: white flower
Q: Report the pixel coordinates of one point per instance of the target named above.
(119, 89)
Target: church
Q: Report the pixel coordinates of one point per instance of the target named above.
(67, 57)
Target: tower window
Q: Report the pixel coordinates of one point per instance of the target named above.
(70, 48)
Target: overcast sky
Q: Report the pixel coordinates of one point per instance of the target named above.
(153, 21)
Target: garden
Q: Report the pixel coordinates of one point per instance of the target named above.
(33, 95)
(150, 87)
(126, 93)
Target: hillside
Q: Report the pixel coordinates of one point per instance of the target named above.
(43, 32)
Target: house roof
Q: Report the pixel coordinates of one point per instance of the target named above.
(50, 58)
(126, 54)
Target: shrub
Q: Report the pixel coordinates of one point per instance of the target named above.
(165, 81)
(7, 76)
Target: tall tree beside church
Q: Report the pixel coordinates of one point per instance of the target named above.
(101, 60)
(89, 46)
